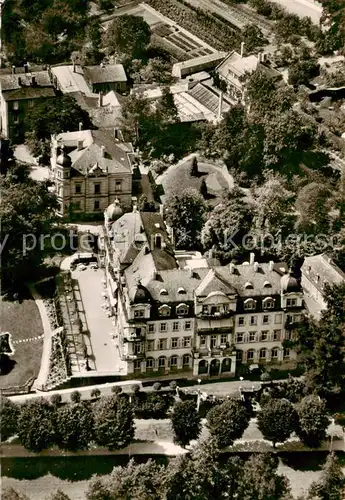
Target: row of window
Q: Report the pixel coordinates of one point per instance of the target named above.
(214, 340)
(176, 325)
(163, 362)
(266, 319)
(181, 310)
(163, 344)
(262, 354)
(259, 336)
(267, 303)
(97, 187)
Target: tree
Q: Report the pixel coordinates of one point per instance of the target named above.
(59, 495)
(9, 413)
(53, 116)
(96, 393)
(128, 37)
(259, 479)
(277, 420)
(157, 386)
(203, 189)
(331, 483)
(12, 494)
(116, 389)
(194, 171)
(27, 212)
(144, 205)
(301, 72)
(185, 213)
(56, 399)
(157, 70)
(136, 481)
(226, 226)
(75, 397)
(74, 426)
(253, 38)
(186, 422)
(227, 422)
(114, 425)
(312, 421)
(35, 425)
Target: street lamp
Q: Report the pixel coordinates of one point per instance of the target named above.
(198, 399)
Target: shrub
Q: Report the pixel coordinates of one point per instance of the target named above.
(56, 399)
(95, 393)
(75, 397)
(135, 388)
(157, 386)
(116, 389)
(173, 385)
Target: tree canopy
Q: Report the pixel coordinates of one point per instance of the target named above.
(331, 484)
(277, 420)
(227, 422)
(312, 420)
(35, 425)
(186, 422)
(128, 36)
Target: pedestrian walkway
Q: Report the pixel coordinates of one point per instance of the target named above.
(31, 339)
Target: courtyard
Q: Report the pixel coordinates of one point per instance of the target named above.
(106, 358)
(22, 320)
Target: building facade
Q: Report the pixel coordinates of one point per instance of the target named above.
(19, 93)
(90, 170)
(201, 320)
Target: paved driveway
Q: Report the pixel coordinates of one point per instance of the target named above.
(107, 359)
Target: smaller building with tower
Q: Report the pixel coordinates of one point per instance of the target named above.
(90, 169)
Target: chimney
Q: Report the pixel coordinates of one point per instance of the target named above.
(256, 267)
(80, 145)
(232, 268)
(100, 99)
(116, 133)
(271, 265)
(19, 80)
(242, 49)
(13, 70)
(103, 151)
(33, 81)
(220, 105)
(80, 126)
(251, 258)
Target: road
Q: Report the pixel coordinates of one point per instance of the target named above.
(303, 8)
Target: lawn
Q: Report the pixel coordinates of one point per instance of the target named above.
(179, 175)
(23, 321)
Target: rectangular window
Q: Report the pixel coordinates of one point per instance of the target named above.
(137, 365)
(252, 336)
(186, 341)
(274, 353)
(15, 105)
(163, 327)
(174, 343)
(162, 344)
(150, 345)
(151, 328)
(187, 325)
(77, 205)
(96, 205)
(264, 336)
(78, 188)
(291, 302)
(286, 353)
(253, 320)
(97, 188)
(250, 355)
(213, 341)
(202, 341)
(205, 309)
(278, 319)
(161, 362)
(138, 346)
(265, 319)
(223, 338)
(276, 334)
(239, 337)
(118, 186)
(176, 326)
(241, 321)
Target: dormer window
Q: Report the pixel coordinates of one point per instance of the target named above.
(248, 286)
(182, 309)
(164, 310)
(139, 313)
(267, 284)
(268, 303)
(181, 290)
(163, 291)
(249, 304)
(291, 302)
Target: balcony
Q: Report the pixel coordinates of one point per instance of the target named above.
(217, 351)
(215, 315)
(133, 357)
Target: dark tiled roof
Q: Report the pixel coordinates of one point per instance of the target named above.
(214, 282)
(321, 270)
(16, 87)
(106, 74)
(154, 225)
